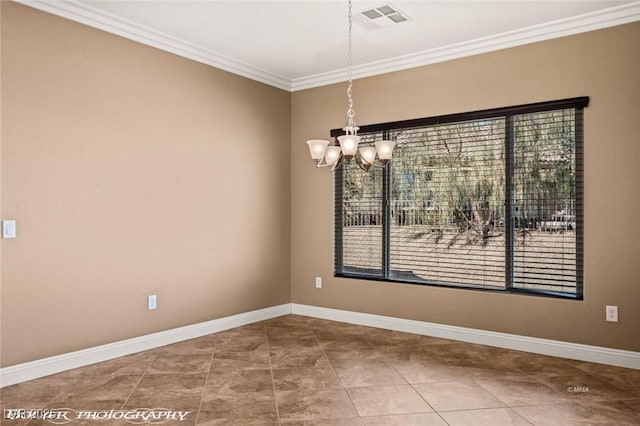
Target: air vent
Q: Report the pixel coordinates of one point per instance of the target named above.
(372, 14)
(380, 17)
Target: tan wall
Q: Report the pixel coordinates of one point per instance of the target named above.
(112, 166)
(131, 171)
(1, 97)
(603, 65)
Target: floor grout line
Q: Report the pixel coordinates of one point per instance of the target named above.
(153, 358)
(344, 388)
(206, 379)
(273, 382)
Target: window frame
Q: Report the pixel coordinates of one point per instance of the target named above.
(577, 103)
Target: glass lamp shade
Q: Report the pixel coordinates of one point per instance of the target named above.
(332, 155)
(349, 144)
(385, 149)
(317, 148)
(368, 154)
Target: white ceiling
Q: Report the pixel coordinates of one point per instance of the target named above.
(299, 44)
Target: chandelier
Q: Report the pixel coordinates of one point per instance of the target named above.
(334, 156)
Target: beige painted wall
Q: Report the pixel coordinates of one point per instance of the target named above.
(131, 171)
(1, 180)
(110, 163)
(603, 65)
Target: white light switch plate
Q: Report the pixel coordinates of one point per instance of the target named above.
(152, 302)
(8, 229)
(612, 313)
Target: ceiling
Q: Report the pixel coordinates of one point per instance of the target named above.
(300, 44)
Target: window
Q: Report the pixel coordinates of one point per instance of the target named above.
(487, 200)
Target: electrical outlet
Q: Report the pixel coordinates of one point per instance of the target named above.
(612, 313)
(151, 302)
(318, 282)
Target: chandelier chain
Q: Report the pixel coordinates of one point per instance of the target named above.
(335, 156)
(350, 112)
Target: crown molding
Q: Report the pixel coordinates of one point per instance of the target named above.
(85, 14)
(575, 25)
(88, 15)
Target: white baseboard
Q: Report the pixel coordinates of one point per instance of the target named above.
(55, 364)
(616, 357)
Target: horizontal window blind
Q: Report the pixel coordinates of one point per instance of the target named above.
(361, 217)
(546, 205)
(447, 204)
(488, 200)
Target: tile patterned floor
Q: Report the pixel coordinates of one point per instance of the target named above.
(296, 370)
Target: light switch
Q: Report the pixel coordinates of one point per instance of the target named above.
(152, 302)
(8, 229)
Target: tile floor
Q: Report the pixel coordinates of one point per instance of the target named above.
(296, 370)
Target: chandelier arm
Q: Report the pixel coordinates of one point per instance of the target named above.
(376, 166)
(338, 163)
(320, 166)
(365, 165)
(322, 163)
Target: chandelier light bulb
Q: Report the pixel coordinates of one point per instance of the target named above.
(332, 155)
(349, 144)
(317, 148)
(385, 149)
(368, 154)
